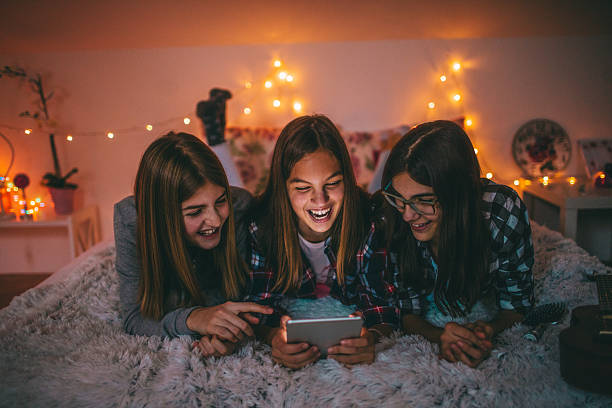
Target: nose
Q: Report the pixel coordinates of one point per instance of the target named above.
(408, 214)
(319, 196)
(212, 218)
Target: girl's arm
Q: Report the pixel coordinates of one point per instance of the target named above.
(128, 267)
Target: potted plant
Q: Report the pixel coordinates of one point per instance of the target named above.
(62, 192)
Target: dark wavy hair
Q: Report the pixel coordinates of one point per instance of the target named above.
(440, 155)
(171, 170)
(276, 220)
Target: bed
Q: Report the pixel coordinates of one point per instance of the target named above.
(62, 344)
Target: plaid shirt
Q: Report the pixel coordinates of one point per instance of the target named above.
(369, 259)
(510, 260)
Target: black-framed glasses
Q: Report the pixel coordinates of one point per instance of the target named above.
(423, 205)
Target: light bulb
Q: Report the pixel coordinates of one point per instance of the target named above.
(571, 180)
(32, 202)
(248, 85)
(247, 111)
(489, 175)
(457, 97)
(282, 75)
(456, 66)
(110, 135)
(268, 84)
(468, 122)
(442, 78)
(38, 199)
(27, 131)
(276, 103)
(277, 63)
(69, 138)
(149, 127)
(297, 107)
(475, 151)
(516, 182)
(289, 78)
(186, 121)
(431, 105)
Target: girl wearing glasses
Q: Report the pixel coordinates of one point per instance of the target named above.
(463, 244)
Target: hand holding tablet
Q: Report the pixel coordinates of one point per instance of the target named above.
(325, 332)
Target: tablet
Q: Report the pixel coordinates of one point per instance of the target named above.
(325, 332)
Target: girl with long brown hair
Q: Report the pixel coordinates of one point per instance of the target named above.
(177, 253)
(307, 231)
(462, 241)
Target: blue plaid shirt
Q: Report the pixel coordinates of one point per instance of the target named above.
(354, 291)
(510, 262)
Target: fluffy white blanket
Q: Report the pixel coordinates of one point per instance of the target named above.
(62, 345)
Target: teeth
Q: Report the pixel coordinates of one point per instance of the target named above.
(320, 213)
(208, 231)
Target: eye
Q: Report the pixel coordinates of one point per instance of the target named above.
(194, 213)
(221, 200)
(334, 184)
(303, 189)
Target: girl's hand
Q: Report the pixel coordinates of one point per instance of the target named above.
(295, 355)
(469, 344)
(227, 320)
(354, 351)
(212, 346)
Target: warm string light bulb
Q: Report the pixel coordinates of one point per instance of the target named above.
(248, 84)
(469, 122)
(489, 175)
(517, 182)
(27, 131)
(69, 138)
(545, 180)
(277, 63)
(571, 180)
(456, 66)
(282, 75)
(186, 121)
(297, 107)
(431, 105)
(289, 78)
(247, 110)
(110, 135)
(276, 103)
(268, 84)
(149, 127)
(475, 151)
(442, 78)
(457, 97)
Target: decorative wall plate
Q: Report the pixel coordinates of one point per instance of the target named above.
(541, 147)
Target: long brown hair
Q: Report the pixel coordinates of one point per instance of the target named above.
(278, 224)
(171, 170)
(440, 155)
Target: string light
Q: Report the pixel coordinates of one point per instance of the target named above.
(27, 131)
(457, 97)
(149, 127)
(69, 138)
(468, 122)
(282, 75)
(431, 105)
(289, 78)
(297, 107)
(544, 180)
(442, 78)
(489, 175)
(571, 180)
(110, 135)
(516, 182)
(186, 121)
(276, 103)
(268, 84)
(475, 151)
(247, 111)
(456, 66)
(248, 85)
(277, 63)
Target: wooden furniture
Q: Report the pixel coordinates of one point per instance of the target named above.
(584, 215)
(45, 245)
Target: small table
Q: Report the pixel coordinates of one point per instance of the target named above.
(40, 246)
(571, 202)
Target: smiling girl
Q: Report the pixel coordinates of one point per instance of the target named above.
(177, 254)
(307, 232)
(463, 243)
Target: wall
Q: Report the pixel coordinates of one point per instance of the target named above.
(361, 85)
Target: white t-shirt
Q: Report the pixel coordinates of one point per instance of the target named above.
(315, 252)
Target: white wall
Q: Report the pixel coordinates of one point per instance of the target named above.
(361, 85)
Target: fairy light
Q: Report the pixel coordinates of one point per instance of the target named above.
(268, 84)
(602, 176)
(110, 135)
(186, 121)
(442, 78)
(42, 205)
(277, 63)
(276, 103)
(431, 105)
(475, 151)
(247, 111)
(527, 182)
(489, 175)
(248, 84)
(545, 180)
(282, 75)
(289, 78)
(457, 97)
(456, 66)
(69, 138)
(149, 127)
(571, 180)
(32, 202)
(516, 182)
(15, 189)
(38, 200)
(469, 122)
(297, 107)
(27, 131)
